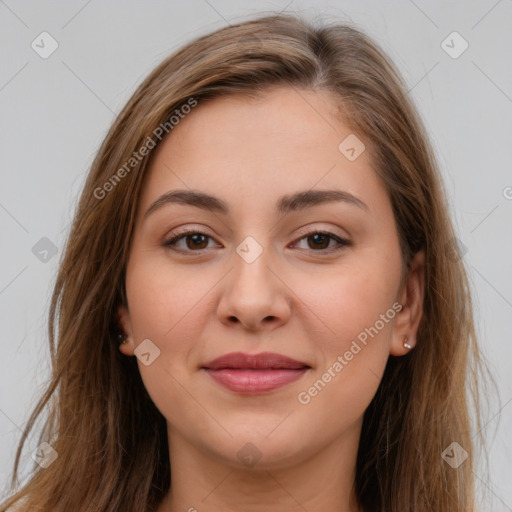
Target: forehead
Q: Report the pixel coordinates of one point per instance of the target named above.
(257, 149)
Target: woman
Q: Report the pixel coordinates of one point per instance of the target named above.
(261, 304)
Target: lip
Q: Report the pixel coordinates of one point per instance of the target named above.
(261, 361)
(254, 373)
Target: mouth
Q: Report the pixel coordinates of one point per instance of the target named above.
(255, 373)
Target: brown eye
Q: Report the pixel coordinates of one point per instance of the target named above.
(193, 241)
(196, 241)
(321, 242)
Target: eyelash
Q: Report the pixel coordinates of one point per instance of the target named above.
(342, 243)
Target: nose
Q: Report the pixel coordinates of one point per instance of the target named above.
(254, 296)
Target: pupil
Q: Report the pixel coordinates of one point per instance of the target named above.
(196, 240)
(318, 236)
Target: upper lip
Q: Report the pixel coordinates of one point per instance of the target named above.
(264, 360)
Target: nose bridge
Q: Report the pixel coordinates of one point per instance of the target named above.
(251, 276)
(252, 293)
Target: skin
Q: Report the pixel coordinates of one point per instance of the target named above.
(294, 299)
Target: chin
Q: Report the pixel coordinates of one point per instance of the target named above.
(272, 449)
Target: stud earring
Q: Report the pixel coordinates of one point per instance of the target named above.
(122, 338)
(406, 345)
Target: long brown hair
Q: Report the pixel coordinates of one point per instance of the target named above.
(110, 439)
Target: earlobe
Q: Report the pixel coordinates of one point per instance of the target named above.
(125, 331)
(407, 321)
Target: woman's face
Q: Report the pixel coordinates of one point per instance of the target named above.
(263, 271)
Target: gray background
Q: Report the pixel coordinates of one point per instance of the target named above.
(55, 112)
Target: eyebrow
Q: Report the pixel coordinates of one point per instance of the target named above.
(285, 204)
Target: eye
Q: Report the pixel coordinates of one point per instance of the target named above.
(194, 240)
(319, 241)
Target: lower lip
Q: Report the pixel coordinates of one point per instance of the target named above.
(251, 382)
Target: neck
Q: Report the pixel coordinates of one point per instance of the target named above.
(320, 480)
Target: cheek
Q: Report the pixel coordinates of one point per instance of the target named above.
(356, 304)
(163, 299)
(353, 297)
(352, 360)
(168, 307)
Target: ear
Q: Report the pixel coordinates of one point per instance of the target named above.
(123, 318)
(411, 298)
